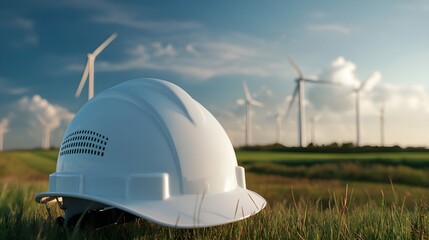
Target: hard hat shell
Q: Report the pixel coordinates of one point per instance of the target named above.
(148, 148)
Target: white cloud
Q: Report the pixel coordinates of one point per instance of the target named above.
(111, 13)
(20, 30)
(227, 51)
(371, 81)
(25, 125)
(336, 105)
(335, 98)
(334, 27)
(406, 111)
(339, 98)
(318, 14)
(4, 123)
(22, 23)
(196, 72)
(263, 91)
(40, 108)
(414, 6)
(139, 50)
(341, 71)
(161, 51)
(157, 26)
(213, 59)
(407, 108)
(5, 88)
(402, 98)
(191, 49)
(240, 102)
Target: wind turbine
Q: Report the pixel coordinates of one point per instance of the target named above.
(249, 103)
(89, 69)
(357, 92)
(279, 115)
(313, 121)
(300, 91)
(382, 125)
(371, 80)
(3, 129)
(47, 133)
(2, 132)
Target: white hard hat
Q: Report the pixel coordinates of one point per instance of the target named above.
(149, 149)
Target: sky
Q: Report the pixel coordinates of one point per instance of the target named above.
(209, 48)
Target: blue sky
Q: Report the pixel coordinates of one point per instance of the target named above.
(209, 48)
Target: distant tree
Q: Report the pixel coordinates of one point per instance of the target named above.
(333, 145)
(348, 145)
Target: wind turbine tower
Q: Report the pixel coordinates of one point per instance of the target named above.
(313, 122)
(2, 132)
(357, 108)
(3, 129)
(279, 116)
(46, 140)
(89, 69)
(249, 111)
(382, 125)
(357, 91)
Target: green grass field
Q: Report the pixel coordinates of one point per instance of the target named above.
(310, 195)
(27, 165)
(410, 159)
(400, 168)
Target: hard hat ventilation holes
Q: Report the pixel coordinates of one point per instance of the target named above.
(84, 142)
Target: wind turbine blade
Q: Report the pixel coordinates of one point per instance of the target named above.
(320, 81)
(83, 80)
(41, 120)
(295, 92)
(371, 81)
(294, 66)
(362, 85)
(246, 92)
(91, 79)
(104, 45)
(256, 103)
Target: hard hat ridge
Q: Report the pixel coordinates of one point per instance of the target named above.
(184, 102)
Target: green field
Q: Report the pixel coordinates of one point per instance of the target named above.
(310, 195)
(400, 168)
(27, 165)
(410, 159)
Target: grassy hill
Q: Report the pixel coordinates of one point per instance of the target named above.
(27, 164)
(22, 218)
(310, 196)
(410, 168)
(309, 158)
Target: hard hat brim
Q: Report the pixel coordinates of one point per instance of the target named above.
(183, 211)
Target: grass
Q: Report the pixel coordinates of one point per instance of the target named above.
(27, 165)
(21, 218)
(310, 196)
(397, 158)
(281, 189)
(401, 168)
